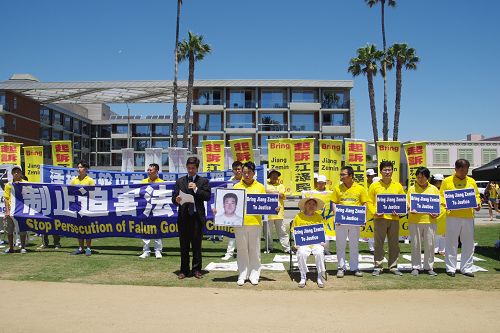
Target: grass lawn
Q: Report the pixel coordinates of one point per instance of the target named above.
(117, 262)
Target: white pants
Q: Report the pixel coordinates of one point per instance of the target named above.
(463, 228)
(439, 243)
(282, 232)
(371, 244)
(158, 245)
(344, 232)
(248, 245)
(319, 257)
(422, 236)
(230, 246)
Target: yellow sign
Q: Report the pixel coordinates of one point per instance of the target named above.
(415, 155)
(213, 155)
(355, 156)
(10, 153)
(302, 165)
(390, 151)
(330, 160)
(242, 149)
(62, 153)
(33, 159)
(279, 156)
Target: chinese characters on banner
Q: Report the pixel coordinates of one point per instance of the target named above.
(415, 155)
(302, 165)
(10, 153)
(242, 149)
(330, 160)
(62, 153)
(390, 151)
(33, 159)
(213, 155)
(355, 156)
(280, 159)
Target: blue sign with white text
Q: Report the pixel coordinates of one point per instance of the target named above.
(309, 234)
(350, 215)
(425, 203)
(389, 203)
(460, 199)
(262, 204)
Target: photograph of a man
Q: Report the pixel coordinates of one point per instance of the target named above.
(230, 208)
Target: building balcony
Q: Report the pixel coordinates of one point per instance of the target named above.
(241, 128)
(335, 105)
(58, 127)
(242, 105)
(119, 135)
(305, 128)
(274, 106)
(296, 106)
(336, 129)
(273, 127)
(207, 107)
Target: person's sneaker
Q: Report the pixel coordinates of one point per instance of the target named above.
(450, 274)
(254, 281)
(396, 272)
(240, 282)
(57, 246)
(144, 255)
(42, 246)
(88, 252)
(23, 250)
(8, 250)
(227, 257)
(340, 273)
(77, 251)
(358, 273)
(431, 272)
(158, 254)
(320, 282)
(414, 272)
(377, 272)
(302, 283)
(468, 274)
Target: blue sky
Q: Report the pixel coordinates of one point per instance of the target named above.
(455, 91)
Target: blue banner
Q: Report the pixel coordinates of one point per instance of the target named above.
(60, 175)
(389, 203)
(460, 199)
(425, 203)
(262, 204)
(350, 215)
(309, 234)
(135, 210)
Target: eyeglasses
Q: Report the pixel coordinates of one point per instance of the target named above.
(344, 174)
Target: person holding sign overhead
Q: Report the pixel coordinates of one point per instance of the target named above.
(422, 225)
(385, 224)
(460, 222)
(308, 215)
(348, 193)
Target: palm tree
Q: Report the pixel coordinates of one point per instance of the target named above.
(175, 112)
(390, 3)
(366, 63)
(193, 50)
(400, 55)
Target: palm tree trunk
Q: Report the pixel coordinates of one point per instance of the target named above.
(175, 112)
(371, 94)
(189, 102)
(397, 107)
(385, 115)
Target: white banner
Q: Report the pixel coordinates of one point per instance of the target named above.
(127, 160)
(152, 155)
(177, 158)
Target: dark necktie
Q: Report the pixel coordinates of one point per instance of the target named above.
(191, 205)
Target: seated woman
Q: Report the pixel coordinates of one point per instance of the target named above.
(308, 216)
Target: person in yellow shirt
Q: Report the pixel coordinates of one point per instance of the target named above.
(327, 197)
(248, 235)
(17, 177)
(308, 216)
(460, 222)
(274, 186)
(492, 189)
(348, 193)
(83, 179)
(153, 169)
(385, 224)
(422, 226)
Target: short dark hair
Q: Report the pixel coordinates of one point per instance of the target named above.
(461, 163)
(236, 164)
(349, 169)
(229, 196)
(193, 160)
(156, 166)
(385, 164)
(423, 171)
(249, 165)
(84, 164)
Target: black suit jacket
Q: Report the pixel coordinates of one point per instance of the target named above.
(202, 194)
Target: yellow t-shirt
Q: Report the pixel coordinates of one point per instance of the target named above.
(455, 183)
(147, 180)
(7, 192)
(85, 181)
(254, 188)
(280, 188)
(493, 192)
(354, 196)
(301, 219)
(420, 217)
(382, 188)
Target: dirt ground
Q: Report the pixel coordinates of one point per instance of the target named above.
(71, 307)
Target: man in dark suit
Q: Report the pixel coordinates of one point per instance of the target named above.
(191, 217)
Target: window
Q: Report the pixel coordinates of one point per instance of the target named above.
(140, 144)
(240, 120)
(209, 97)
(120, 129)
(304, 96)
(57, 118)
(45, 133)
(86, 128)
(441, 156)
(466, 154)
(103, 159)
(14, 124)
(335, 119)
(157, 143)
(141, 130)
(209, 122)
(44, 115)
(103, 145)
(239, 99)
(3, 102)
(272, 122)
(15, 103)
(67, 123)
(303, 122)
(334, 100)
(488, 155)
(57, 135)
(161, 130)
(105, 131)
(67, 136)
(164, 159)
(116, 159)
(77, 126)
(139, 159)
(118, 144)
(77, 142)
(273, 99)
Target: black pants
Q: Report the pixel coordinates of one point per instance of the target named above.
(190, 234)
(57, 240)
